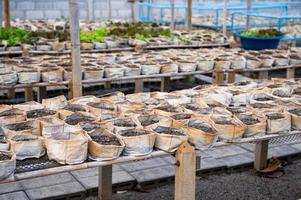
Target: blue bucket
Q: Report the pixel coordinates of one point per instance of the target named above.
(259, 43)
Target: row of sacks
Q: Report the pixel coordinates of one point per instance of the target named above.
(98, 66)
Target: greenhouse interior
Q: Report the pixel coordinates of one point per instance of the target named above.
(150, 99)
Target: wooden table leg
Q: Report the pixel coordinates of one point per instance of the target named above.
(218, 76)
(105, 182)
(139, 85)
(42, 93)
(185, 172)
(290, 73)
(261, 155)
(165, 84)
(264, 75)
(231, 76)
(198, 163)
(107, 85)
(28, 93)
(11, 93)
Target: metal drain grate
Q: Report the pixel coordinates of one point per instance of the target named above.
(293, 137)
(33, 164)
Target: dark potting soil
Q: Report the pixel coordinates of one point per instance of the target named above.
(249, 120)
(242, 83)
(224, 121)
(181, 116)
(264, 99)
(192, 106)
(4, 157)
(105, 139)
(152, 101)
(76, 118)
(275, 116)
(19, 126)
(274, 86)
(8, 113)
(21, 137)
(132, 132)
(236, 110)
(74, 108)
(169, 131)
(168, 108)
(280, 93)
(89, 126)
(261, 105)
(201, 126)
(296, 111)
(297, 91)
(102, 105)
(124, 123)
(39, 113)
(152, 119)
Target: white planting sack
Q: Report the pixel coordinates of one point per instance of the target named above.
(278, 122)
(27, 146)
(55, 102)
(7, 164)
(256, 124)
(104, 145)
(67, 148)
(138, 142)
(169, 139)
(296, 118)
(30, 105)
(13, 115)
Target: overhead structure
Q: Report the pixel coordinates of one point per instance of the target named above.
(249, 6)
(189, 15)
(172, 6)
(225, 12)
(76, 81)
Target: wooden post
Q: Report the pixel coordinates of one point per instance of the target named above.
(231, 76)
(198, 163)
(107, 85)
(1, 13)
(75, 49)
(42, 93)
(172, 6)
(105, 183)
(290, 73)
(261, 155)
(132, 2)
(70, 95)
(225, 12)
(189, 15)
(249, 6)
(90, 8)
(6, 13)
(11, 93)
(138, 85)
(264, 75)
(109, 9)
(218, 76)
(165, 84)
(28, 93)
(185, 172)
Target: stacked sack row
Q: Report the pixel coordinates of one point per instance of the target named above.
(105, 128)
(98, 66)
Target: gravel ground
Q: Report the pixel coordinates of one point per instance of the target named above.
(244, 185)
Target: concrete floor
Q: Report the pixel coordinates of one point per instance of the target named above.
(242, 185)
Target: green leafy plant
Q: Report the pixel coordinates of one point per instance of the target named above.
(185, 39)
(140, 37)
(14, 36)
(93, 36)
(262, 33)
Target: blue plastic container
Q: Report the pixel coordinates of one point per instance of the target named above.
(259, 43)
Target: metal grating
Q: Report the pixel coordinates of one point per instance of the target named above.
(295, 137)
(33, 164)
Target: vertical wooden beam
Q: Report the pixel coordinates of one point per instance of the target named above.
(231, 76)
(165, 84)
(261, 154)
(28, 93)
(11, 93)
(198, 163)
(264, 75)
(90, 9)
(133, 14)
(1, 12)
(107, 85)
(249, 6)
(290, 73)
(225, 12)
(70, 95)
(218, 76)
(42, 93)
(105, 183)
(185, 172)
(75, 49)
(109, 9)
(139, 85)
(6, 13)
(189, 15)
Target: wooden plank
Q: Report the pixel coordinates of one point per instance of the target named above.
(263, 75)
(165, 84)
(109, 7)
(189, 15)
(261, 154)
(105, 182)
(185, 172)
(75, 49)
(290, 73)
(139, 85)
(198, 163)
(11, 93)
(6, 13)
(42, 93)
(28, 94)
(231, 76)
